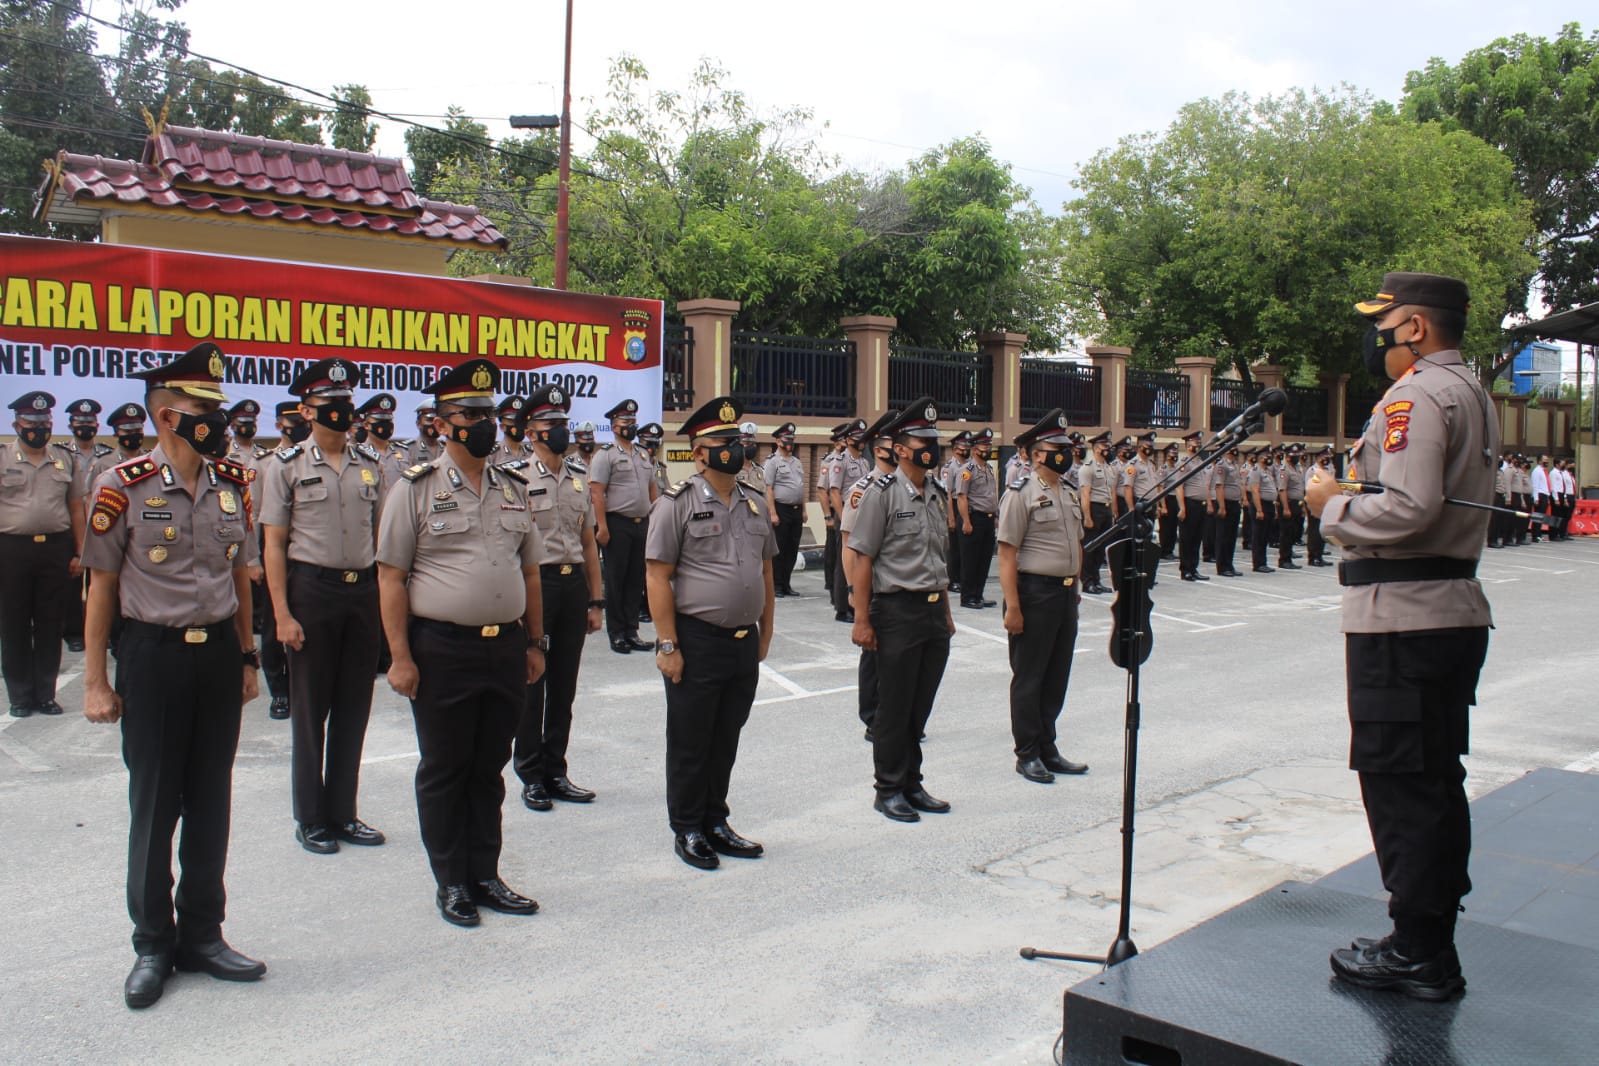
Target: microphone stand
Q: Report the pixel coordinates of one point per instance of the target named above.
(1548, 521)
(1130, 646)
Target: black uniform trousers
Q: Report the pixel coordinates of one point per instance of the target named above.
(1093, 560)
(912, 651)
(829, 555)
(1041, 662)
(705, 713)
(1518, 526)
(977, 555)
(467, 705)
(790, 523)
(1409, 703)
(1169, 526)
(624, 573)
(1260, 532)
(32, 572)
(1207, 535)
(72, 606)
(952, 555)
(330, 688)
(838, 591)
(1193, 533)
(866, 687)
(1290, 520)
(545, 727)
(181, 706)
(1315, 546)
(274, 656)
(1227, 534)
(1540, 505)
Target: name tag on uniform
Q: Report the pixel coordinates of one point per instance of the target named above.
(311, 480)
(512, 507)
(905, 514)
(450, 506)
(698, 515)
(156, 516)
(537, 492)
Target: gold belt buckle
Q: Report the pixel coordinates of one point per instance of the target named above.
(636, 521)
(351, 577)
(740, 634)
(1069, 582)
(932, 597)
(40, 538)
(566, 569)
(489, 631)
(195, 635)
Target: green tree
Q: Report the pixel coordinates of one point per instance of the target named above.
(1538, 101)
(348, 125)
(462, 140)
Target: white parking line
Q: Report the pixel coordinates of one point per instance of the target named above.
(1588, 765)
(959, 628)
(804, 695)
(791, 687)
(23, 755)
(396, 757)
(1199, 627)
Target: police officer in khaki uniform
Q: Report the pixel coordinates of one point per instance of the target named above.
(976, 495)
(41, 533)
(319, 503)
(650, 436)
(376, 417)
(882, 449)
(1261, 485)
(83, 420)
(293, 430)
(849, 466)
(1140, 478)
(127, 427)
(753, 476)
(1415, 622)
(583, 440)
(710, 557)
(785, 500)
(513, 443)
(960, 450)
(824, 477)
(463, 609)
(902, 607)
(569, 575)
(1315, 544)
(1096, 488)
(426, 446)
(167, 548)
(1228, 486)
(621, 478)
(1040, 555)
(1196, 510)
(1291, 497)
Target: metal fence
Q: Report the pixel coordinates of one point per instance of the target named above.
(1306, 414)
(677, 368)
(794, 376)
(1229, 398)
(1156, 400)
(1048, 383)
(1358, 402)
(960, 383)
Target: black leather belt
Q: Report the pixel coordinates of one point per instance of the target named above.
(342, 577)
(560, 569)
(1386, 571)
(925, 596)
(38, 538)
(1047, 579)
(711, 629)
(488, 632)
(201, 634)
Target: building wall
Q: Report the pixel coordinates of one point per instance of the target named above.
(308, 243)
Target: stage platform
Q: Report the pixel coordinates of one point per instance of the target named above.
(1252, 985)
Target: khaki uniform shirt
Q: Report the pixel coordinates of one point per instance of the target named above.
(626, 477)
(465, 553)
(507, 451)
(906, 534)
(852, 501)
(718, 551)
(33, 499)
(662, 479)
(1293, 482)
(116, 458)
(753, 478)
(1227, 481)
(824, 471)
(1262, 478)
(848, 468)
(1202, 485)
(330, 512)
(1097, 476)
(1425, 441)
(562, 506)
(1502, 482)
(786, 476)
(86, 457)
(1141, 475)
(1521, 482)
(976, 482)
(1016, 467)
(1044, 525)
(1070, 476)
(174, 553)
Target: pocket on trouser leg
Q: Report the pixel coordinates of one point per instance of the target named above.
(1385, 731)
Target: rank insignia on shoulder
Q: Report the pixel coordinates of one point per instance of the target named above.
(676, 490)
(108, 507)
(135, 470)
(369, 452)
(576, 465)
(514, 464)
(1019, 482)
(285, 454)
(232, 471)
(417, 471)
(885, 481)
(510, 471)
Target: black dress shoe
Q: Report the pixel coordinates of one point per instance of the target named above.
(1228, 573)
(1061, 765)
(536, 797)
(358, 832)
(639, 645)
(1034, 770)
(456, 906)
(986, 603)
(278, 708)
(50, 707)
(844, 616)
(1264, 570)
(1197, 576)
(316, 839)
(146, 980)
(972, 605)
(496, 895)
(75, 644)
(1186, 577)
(954, 586)
(622, 646)
(218, 960)
(1379, 965)
(562, 788)
(19, 711)
(870, 739)
(724, 840)
(695, 850)
(918, 797)
(1094, 588)
(644, 615)
(896, 807)
(1289, 566)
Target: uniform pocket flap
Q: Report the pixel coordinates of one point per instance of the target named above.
(1385, 705)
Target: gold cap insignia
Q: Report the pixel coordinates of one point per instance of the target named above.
(481, 378)
(216, 366)
(727, 413)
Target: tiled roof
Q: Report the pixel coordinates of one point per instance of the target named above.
(229, 174)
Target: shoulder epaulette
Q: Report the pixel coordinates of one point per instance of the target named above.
(418, 471)
(135, 470)
(885, 481)
(400, 445)
(369, 453)
(232, 471)
(607, 446)
(863, 482)
(1019, 482)
(260, 451)
(285, 454)
(676, 490)
(576, 464)
(514, 464)
(510, 470)
(64, 447)
(102, 450)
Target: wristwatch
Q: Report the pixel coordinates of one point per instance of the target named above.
(596, 603)
(543, 643)
(252, 657)
(666, 647)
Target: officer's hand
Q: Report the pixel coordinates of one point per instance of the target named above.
(1210, 508)
(966, 527)
(535, 664)
(1260, 515)
(75, 566)
(255, 574)
(670, 666)
(290, 634)
(1182, 514)
(1088, 521)
(252, 684)
(1013, 619)
(603, 535)
(863, 635)
(404, 678)
(596, 619)
(766, 643)
(1319, 491)
(100, 704)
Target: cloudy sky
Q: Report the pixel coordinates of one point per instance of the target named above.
(1047, 82)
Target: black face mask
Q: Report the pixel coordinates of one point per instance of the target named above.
(381, 429)
(478, 438)
(884, 455)
(430, 433)
(83, 433)
(726, 459)
(295, 432)
(924, 457)
(206, 434)
(360, 434)
(515, 433)
(587, 448)
(130, 442)
(244, 430)
(626, 432)
(336, 415)
(36, 437)
(1374, 350)
(557, 438)
(1056, 461)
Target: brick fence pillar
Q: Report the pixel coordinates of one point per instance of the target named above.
(870, 334)
(1198, 369)
(1006, 352)
(712, 323)
(1112, 363)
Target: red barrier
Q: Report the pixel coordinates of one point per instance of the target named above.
(1585, 518)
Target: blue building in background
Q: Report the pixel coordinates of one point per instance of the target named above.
(1535, 369)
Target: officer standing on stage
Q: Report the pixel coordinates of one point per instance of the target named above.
(83, 419)
(1415, 623)
(785, 501)
(1228, 487)
(902, 607)
(569, 575)
(1040, 553)
(949, 475)
(621, 478)
(319, 504)
(882, 448)
(1196, 506)
(1095, 490)
(41, 534)
(849, 467)
(710, 573)
(1261, 485)
(1291, 494)
(464, 613)
(167, 549)
(976, 494)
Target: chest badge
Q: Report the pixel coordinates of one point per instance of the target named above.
(231, 552)
(367, 478)
(753, 509)
(441, 495)
(577, 484)
(229, 504)
(170, 533)
(157, 554)
(438, 527)
(156, 501)
(505, 490)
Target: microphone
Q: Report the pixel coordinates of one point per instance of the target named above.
(1271, 402)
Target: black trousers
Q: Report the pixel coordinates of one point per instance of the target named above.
(789, 526)
(274, 656)
(829, 555)
(1192, 534)
(1315, 546)
(1409, 702)
(72, 606)
(1041, 662)
(705, 713)
(330, 690)
(1540, 505)
(1227, 534)
(866, 687)
(1261, 531)
(1518, 527)
(181, 705)
(32, 573)
(1168, 527)
(952, 555)
(466, 709)
(912, 651)
(977, 555)
(1290, 520)
(838, 590)
(1093, 560)
(1207, 536)
(545, 727)
(624, 573)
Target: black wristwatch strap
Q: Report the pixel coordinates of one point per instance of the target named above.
(596, 603)
(252, 657)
